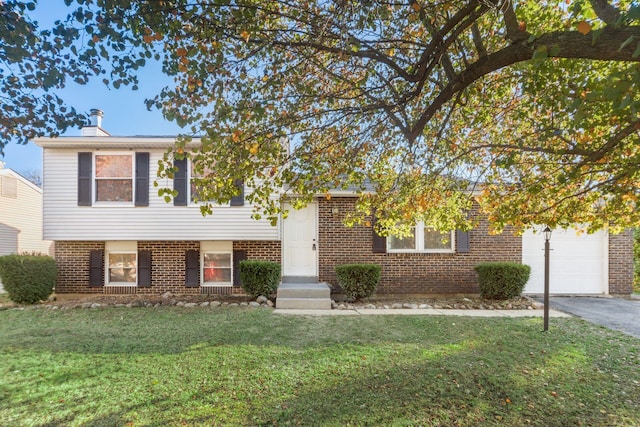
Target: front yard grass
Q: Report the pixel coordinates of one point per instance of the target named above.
(232, 366)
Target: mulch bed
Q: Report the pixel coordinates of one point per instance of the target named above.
(382, 301)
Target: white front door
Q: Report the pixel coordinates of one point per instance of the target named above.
(299, 242)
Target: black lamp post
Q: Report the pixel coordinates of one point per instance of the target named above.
(547, 237)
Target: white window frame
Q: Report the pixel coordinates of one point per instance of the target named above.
(190, 201)
(119, 248)
(419, 243)
(95, 179)
(216, 247)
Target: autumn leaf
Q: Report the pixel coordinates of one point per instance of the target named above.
(245, 35)
(584, 27)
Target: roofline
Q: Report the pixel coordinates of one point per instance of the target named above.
(111, 141)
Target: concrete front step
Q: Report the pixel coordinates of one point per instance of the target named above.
(303, 303)
(300, 279)
(303, 290)
(304, 296)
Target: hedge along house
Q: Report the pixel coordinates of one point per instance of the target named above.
(113, 234)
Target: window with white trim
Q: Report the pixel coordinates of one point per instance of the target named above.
(122, 263)
(113, 177)
(217, 263)
(422, 239)
(194, 195)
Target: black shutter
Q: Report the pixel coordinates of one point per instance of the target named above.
(192, 268)
(239, 255)
(462, 241)
(142, 179)
(144, 269)
(379, 242)
(238, 200)
(96, 267)
(85, 161)
(180, 182)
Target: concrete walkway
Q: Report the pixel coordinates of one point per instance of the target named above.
(423, 312)
(614, 313)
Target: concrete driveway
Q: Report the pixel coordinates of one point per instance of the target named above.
(614, 313)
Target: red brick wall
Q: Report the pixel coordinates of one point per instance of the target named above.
(168, 267)
(621, 263)
(167, 263)
(263, 251)
(425, 273)
(72, 259)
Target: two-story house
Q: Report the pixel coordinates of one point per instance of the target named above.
(114, 234)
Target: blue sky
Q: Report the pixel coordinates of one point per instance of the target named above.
(124, 110)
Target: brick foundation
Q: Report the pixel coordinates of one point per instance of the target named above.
(419, 273)
(167, 263)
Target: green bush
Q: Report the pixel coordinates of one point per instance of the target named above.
(502, 280)
(358, 280)
(259, 277)
(28, 279)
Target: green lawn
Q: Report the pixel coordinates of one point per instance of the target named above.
(231, 366)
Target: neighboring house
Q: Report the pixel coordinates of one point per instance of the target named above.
(20, 216)
(114, 234)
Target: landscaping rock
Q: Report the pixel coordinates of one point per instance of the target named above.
(215, 304)
(396, 305)
(269, 303)
(409, 305)
(96, 305)
(423, 306)
(190, 304)
(262, 299)
(370, 306)
(167, 295)
(204, 304)
(180, 303)
(254, 304)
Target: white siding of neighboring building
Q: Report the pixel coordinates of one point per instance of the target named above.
(21, 215)
(65, 220)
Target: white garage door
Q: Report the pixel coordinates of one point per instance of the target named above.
(578, 263)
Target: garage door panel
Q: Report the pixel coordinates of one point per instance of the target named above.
(578, 262)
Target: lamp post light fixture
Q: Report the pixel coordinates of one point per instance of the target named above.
(547, 237)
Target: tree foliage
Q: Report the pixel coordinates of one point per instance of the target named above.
(529, 108)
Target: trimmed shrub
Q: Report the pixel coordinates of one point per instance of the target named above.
(358, 280)
(502, 280)
(259, 277)
(28, 279)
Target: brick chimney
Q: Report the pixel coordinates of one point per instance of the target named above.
(95, 125)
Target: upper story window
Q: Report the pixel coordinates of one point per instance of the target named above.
(422, 239)
(114, 177)
(194, 193)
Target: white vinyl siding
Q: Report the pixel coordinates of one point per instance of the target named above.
(21, 217)
(65, 220)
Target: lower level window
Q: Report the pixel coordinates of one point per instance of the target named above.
(422, 239)
(122, 268)
(216, 268)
